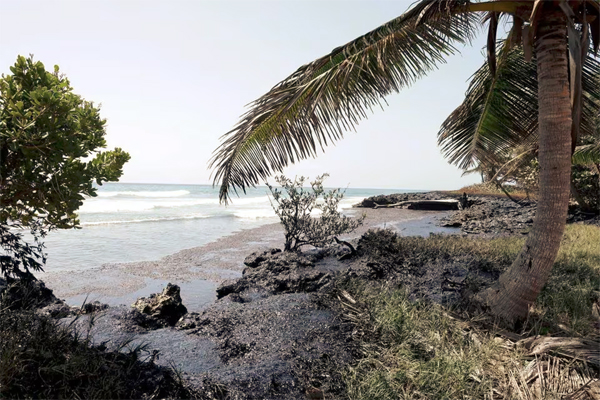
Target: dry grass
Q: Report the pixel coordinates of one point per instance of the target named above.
(415, 350)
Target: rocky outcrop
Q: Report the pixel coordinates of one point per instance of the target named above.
(384, 200)
(164, 307)
(275, 272)
(498, 216)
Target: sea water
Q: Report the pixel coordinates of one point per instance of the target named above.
(137, 222)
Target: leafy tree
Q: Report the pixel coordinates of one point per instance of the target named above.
(294, 206)
(322, 99)
(49, 159)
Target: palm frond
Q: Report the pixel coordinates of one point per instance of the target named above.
(587, 154)
(499, 112)
(323, 99)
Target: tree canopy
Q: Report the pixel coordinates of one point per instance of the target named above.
(50, 139)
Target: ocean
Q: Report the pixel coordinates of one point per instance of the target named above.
(142, 222)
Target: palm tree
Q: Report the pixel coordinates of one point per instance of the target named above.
(495, 128)
(328, 96)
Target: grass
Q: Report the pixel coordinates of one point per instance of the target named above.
(41, 358)
(574, 286)
(416, 350)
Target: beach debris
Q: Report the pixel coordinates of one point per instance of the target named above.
(166, 306)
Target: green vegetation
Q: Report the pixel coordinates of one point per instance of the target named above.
(294, 206)
(418, 350)
(49, 150)
(573, 288)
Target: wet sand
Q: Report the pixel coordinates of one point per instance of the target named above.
(198, 271)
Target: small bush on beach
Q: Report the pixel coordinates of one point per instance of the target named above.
(294, 205)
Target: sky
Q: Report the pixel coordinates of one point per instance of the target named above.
(173, 76)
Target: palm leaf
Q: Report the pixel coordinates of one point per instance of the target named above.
(323, 99)
(499, 112)
(587, 154)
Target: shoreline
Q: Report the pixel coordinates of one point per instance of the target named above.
(199, 270)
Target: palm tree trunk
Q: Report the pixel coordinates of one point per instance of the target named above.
(520, 285)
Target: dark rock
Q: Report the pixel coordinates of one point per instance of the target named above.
(254, 259)
(276, 272)
(58, 310)
(166, 306)
(382, 200)
(93, 307)
(27, 294)
(133, 319)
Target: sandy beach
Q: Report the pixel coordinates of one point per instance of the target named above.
(199, 270)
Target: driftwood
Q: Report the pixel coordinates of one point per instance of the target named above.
(352, 249)
(424, 204)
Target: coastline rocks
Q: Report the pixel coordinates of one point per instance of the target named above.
(165, 306)
(254, 259)
(498, 216)
(275, 272)
(382, 200)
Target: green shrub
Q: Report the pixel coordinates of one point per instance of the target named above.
(294, 205)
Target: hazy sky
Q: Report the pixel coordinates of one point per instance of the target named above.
(173, 76)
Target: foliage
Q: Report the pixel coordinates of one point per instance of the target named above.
(496, 125)
(587, 183)
(21, 257)
(415, 350)
(50, 139)
(295, 204)
(571, 293)
(420, 351)
(317, 103)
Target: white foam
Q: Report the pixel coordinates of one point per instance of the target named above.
(349, 202)
(157, 193)
(93, 206)
(132, 221)
(109, 206)
(255, 213)
(251, 200)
